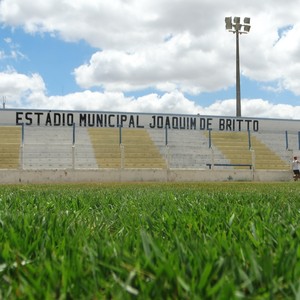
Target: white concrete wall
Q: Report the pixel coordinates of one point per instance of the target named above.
(139, 175)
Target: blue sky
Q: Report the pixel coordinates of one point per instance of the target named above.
(150, 56)
(51, 57)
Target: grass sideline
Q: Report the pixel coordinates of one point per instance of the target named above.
(150, 241)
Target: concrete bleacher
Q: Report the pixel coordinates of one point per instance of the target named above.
(277, 143)
(186, 149)
(235, 147)
(94, 148)
(47, 148)
(130, 148)
(52, 148)
(84, 157)
(10, 141)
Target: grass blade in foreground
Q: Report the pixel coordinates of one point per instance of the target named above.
(142, 241)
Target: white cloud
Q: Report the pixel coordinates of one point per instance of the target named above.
(20, 89)
(176, 47)
(174, 63)
(116, 101)
(12, 52)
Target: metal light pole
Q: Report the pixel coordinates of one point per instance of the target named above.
(235, 26)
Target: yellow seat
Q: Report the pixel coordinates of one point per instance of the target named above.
(137, 150)
(10, 141)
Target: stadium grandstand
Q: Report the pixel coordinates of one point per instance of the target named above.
(38, 145)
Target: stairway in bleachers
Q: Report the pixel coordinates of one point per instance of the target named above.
(235, 147)
(84, 152)
(10, 141)
(185, 149)
(134, 150)
(277, 143)
(52, 148)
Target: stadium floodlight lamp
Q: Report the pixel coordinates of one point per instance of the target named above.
(234, 25)
(228, 22)
(247, 20)
(237, 20)
(247, 25)
(246, 28)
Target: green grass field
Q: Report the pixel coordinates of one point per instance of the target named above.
(150, 241)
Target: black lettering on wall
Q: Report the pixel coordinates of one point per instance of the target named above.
(38, 114)
(255, 125)
(56, 119)
(110, 122)
(181, 123)
(123, 119)
(19, 118)
(138, 122)
(91, 120)
(202, 123)
(175, 123)
(152, 124)
(178, 122)
(48, 120)
(70, 119)
(209, 123)
(82, 120)
(28, 118)
(193, 123)
(131, 121)
(239, 126)
(248, 124)
(221, 124)
(99, 120)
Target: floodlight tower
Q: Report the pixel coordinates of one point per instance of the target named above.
(235, 26)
